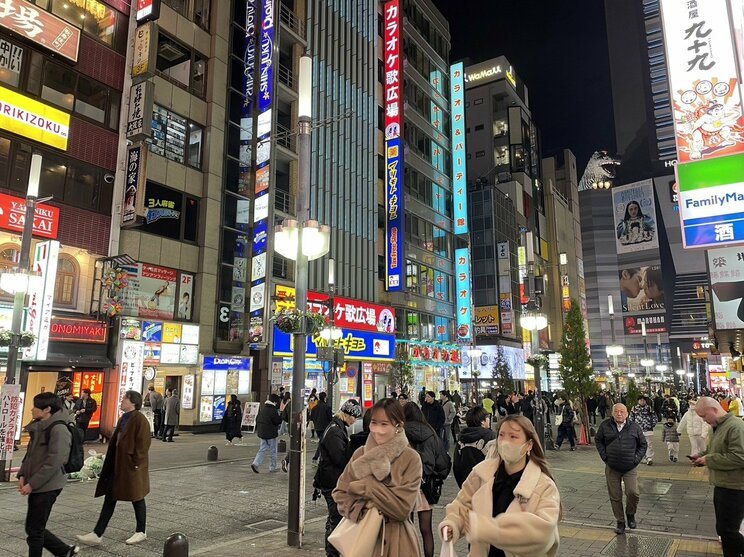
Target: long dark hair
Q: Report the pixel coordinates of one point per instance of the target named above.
(627, 214)
(413, 413)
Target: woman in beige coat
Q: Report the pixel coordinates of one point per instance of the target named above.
(522, 520)
(385, 474)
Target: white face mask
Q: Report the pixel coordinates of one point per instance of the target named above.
(511, 452)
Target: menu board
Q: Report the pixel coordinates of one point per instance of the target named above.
(207, 383)
(220, 383)
(205, 408)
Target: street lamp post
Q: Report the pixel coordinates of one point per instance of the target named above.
(331, 333)
(474, 354)
(646, 362)
(614, 349)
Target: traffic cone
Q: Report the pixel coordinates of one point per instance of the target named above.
(583, 440)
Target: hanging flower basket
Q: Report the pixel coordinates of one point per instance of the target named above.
(290, 321)
(537, 360)
(25, 339)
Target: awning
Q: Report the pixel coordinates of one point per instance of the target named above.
(59, 359)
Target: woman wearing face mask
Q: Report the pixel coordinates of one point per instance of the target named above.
(509, 505)
(384, 474)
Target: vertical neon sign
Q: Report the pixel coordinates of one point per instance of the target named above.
(464, 297)
(459, 171)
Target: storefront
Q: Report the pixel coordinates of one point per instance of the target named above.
(434, 365)
(221, 376)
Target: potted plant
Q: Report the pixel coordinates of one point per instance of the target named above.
(25, 339)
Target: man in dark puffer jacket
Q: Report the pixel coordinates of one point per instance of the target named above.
(621, 445)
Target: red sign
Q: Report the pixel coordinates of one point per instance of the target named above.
(40, 27)
(147, 10)
(66, 329)
(354, 314)
(13, 216)
(655, 323)
(393, 75)
(92, 380)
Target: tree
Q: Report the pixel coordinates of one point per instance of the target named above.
(575, 369)
(401, 371)
(502, 373)
(634, 393)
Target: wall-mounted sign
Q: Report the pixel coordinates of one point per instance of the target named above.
(726, 272)
(11, 57)
(635, 217)
(463, 293)
(357, 345)
(132, 363)
(40, 298)
(130, 329)
(151, 291)
(147, 10)
(139, 118)
(41, 27)
(33, 120)
(459, 164)
(66, 329)
(133, 211)
(654, 324)
(145, 42)
(423, 352)
(13, 217)
(187, 392)
(486, 321)
(11, 408)
(152, 331)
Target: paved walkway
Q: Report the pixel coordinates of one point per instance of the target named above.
(225, 508)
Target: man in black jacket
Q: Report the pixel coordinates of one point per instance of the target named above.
(321, 416)
(267, 430)
(85, 407)
(433, 412)
(333, 460)
(621, 445)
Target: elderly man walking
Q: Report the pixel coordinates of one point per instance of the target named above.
(621, 445)
(725, 460)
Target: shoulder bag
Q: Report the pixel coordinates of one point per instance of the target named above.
(358, 539)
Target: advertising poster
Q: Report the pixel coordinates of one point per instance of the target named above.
(188, 354)
(185, 296)
(220, 382)
(207, 383)
(130, 329)
(152, 352)
(218, 408)
(151, 291)
(187, 392)
(10, 410)
(726, 271)
(170, 353)
(190, 334)
(206, 408)
(655, 323)
(641, 289)
(244, 382)
(152, 331)
(40, 299)
(635, 217)
(250, 413)
(486, 322)
(171, 333)
(132, 362)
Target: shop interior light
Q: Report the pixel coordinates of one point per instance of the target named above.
(680, 372)
(647, 362)
(615, 350)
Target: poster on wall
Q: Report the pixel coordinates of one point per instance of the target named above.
(188, 354)
(40, 299)
(187, 392)
(206, 408)
(207, 382)
(151, 291)
(635, 217)
(220, 382)
(726, 272)
(218, 410)
(641, 289)
(185, 296)
(132, 362)
(170, 353)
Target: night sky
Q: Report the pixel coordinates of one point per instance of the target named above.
(559, 50)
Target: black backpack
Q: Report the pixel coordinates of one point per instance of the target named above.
(467, 455)
(77, 454)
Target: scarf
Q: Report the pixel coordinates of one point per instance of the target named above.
(377, 459)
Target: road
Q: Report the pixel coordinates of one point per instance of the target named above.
(223, 507)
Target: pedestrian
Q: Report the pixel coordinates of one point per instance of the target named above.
(527, 406)
(125, 475)
(232, 422)
(433, 412)
(172, 414)
(285, 410)
(670, 436)
(658, 405)
(669, 408)
(695, 427)
(85, 407)
(449, 417)
(384, 475)
(321, 416)
(436, 466)
(602, 405)
(68, 406)
(509, 504)
(267, 430)
(725, 460)
(333, 459)
(422, 396)
(155, 401)
(403, 399)
(457, 400)
(591, 408)
(645, 417)
(564, 419)
(41, 477)
(473, 444)
(488, 403)
(621, 444)
(312, 402)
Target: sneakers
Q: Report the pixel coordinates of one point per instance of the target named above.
(89, 539)
(285, 466)
(631, 521)
(649, 462)
(137, 537)
(254, 468)
(620, 528)
(273, 470)
(674, 459)
(73, 550)
(228, 444)
(573, 448)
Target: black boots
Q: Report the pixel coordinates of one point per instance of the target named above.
(631, 521)
(620, 527)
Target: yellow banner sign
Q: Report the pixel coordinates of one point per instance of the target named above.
(33, 120)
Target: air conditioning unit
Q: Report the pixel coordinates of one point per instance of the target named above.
(171, 52)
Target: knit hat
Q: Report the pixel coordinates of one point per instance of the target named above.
(351, 408)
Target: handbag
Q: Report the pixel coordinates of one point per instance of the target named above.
(358, 539)
(448, 549)
(432, 488)
(559, 419)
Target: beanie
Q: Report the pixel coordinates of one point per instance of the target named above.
(351, 408)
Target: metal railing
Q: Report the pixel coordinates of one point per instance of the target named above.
(286, 138)
(283, 202)
(290, 19)
(286, 76)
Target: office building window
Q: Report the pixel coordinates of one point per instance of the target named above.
(195, 10)
(176, 138)
(11, 62)
(181, 65)
(66, 282)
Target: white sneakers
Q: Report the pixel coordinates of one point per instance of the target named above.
(89, 539)
(137, 538)
(92, 539)
(228, 444)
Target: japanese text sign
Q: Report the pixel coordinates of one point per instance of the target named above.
(10, 409)
(726, 270)
(41, 296)
(393, 75)
(65, 329)
(356, 345)
(40, 27)
(459, 164)
(486, 321)
(134, 210)
(463, 293)
(13, 216)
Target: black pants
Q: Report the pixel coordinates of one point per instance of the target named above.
(566, 431)
(157, 421)
(109, 504)
(320, 440)
(729, 508)
(37, 536)
(331, 522)
(168, 432)
(603, 412)
(83, 427)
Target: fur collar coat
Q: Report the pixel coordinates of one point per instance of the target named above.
(528, 528)
(387, 477)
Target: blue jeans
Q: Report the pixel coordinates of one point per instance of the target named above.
(267, 445)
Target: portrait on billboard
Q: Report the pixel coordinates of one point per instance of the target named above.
(635, 217)
(726, 269)
(641, 289)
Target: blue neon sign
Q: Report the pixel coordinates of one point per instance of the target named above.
(459, 165)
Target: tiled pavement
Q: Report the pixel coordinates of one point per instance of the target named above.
(226, 509)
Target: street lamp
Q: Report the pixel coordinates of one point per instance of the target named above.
(613, 350)
(534, 321)
(474, 353)
(646, 362)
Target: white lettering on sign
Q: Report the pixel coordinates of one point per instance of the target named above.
(477, 76)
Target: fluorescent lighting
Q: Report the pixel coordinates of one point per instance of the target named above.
(34, 176)
(305, 88)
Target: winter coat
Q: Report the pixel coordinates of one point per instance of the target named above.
(387, 477)
(568, 415)
(724, 456)
(669, 434)
(449, 413)
(321, 416)
(620, 450)
(232, 420)
(333, 455)
(669, 408)
(602, 403)
(735, 407)
(42, 465)
(527, 406)
(470, 449)
(154, 400)
(591, 404)
(528, 528)
(434, 458)
(356, 440)
(268, 421)
(126, 468)
(90, 406)
(434, 414)
(692, 424)
(172, 410)
(644, 416)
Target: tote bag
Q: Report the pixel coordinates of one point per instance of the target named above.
(357, 539)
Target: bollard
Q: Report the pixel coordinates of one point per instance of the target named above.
(212, 453)
(282, 446)
(177, 545)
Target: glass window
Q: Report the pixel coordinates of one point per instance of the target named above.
(195, 145)
(10, 255)
(175, 138)
(179, 6)
(114, 108)
(65, 285)
(58, 86)
(201, 13)
(81, 188)
(4, 161)
(53, 173)
(91, 100)
(11, 61)
(174, 60)
(99, 21)
(198, 76)
(191, 219)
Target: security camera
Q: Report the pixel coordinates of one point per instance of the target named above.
(108, 178)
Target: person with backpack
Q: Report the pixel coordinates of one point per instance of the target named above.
(41, 476)
(436, 467)
(473, 444)
(125, 475)
(321, 416)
